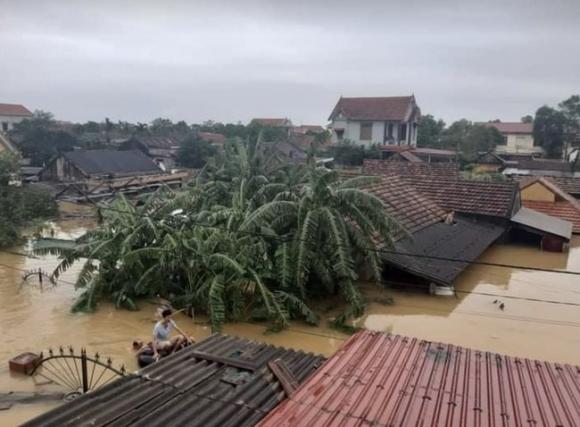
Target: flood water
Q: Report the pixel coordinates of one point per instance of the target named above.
(33, 320)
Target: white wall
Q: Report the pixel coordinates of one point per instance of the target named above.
(352, 132)
(518, 143)
(10, 121)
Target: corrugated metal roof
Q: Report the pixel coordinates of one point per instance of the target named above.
(383, 380)
(465, 240)
(186, 389)
(546, 223)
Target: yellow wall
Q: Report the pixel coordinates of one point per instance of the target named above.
(538, 193)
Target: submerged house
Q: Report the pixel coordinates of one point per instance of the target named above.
(450, 222)
(543, 195)
(162, 149)
(218, 381)
(83, 165)
(518, 138)
(376, 379)
(389, 120)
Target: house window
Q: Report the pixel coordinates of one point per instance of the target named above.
(390, 129)
(339, 134)
(403, 132)
(366, 131)
(5, 126)
(504, 139)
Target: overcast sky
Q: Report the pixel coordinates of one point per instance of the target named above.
(234, 60)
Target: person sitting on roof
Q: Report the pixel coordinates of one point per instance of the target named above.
(161, 335)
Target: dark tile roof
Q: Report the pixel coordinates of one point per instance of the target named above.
(497, 199)
(14, 110)
(111, 162)
(374, 108)
(464, 239)
(376, 379)
(511, 127)
(412, 210)
(149, 141)
(389, 167)
(191, 388)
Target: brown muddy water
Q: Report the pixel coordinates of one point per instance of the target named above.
(32, 320)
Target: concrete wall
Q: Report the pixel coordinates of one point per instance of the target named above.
(7, 122)
(519, 143)
(352, 132)
(538, 193)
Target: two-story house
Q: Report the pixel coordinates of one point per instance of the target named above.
(518, 138)
(10, 114)
(388, 120)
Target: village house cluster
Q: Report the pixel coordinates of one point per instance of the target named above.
(375, 378)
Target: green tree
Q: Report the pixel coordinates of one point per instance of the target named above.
(527, 119)
(38, 141)
(549, 125)
(430, 132)
(19, 206)
(471, 139)
(194, 152)
(348, 153)
(248, 240)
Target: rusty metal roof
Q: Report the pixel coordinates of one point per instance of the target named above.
(220, 381)
(383, 380)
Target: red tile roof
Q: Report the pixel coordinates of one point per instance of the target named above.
(215, 138)
(563, 210)
(471, 197)
(383, 380)
(511, 127)
(412, 210)
(380, 108)
(14, 110)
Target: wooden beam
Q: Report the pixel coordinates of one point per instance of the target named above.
(284, 376)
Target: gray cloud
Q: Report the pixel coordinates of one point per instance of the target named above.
(233, 60)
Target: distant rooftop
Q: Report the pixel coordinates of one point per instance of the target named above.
(272, 122)
(374, 108)
(14, 110)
